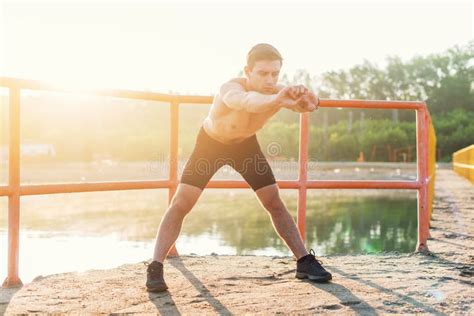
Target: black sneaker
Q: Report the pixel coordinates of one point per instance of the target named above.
(310, 267)
(154, 277)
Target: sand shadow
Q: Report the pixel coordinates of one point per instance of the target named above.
(6, 295)
(405, 298)
(452, 243)
(464, 269)
(346, 298)
(164, 303)
(199, 286)
(440, 259)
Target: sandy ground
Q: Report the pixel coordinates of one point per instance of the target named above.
(436, 283)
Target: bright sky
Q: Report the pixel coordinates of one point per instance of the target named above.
(191, 47)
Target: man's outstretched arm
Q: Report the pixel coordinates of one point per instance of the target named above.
(295, 98)
(235, 97)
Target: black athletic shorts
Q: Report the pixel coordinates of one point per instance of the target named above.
(209, 155)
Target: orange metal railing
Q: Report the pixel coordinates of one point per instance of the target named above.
(14, 190)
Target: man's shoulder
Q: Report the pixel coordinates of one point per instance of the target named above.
(233, 84)
(239, 80)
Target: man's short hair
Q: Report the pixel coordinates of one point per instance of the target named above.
(262, 51)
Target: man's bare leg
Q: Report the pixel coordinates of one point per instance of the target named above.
(183, 201)
(282, 221)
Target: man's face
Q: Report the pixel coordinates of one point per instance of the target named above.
(263, 77)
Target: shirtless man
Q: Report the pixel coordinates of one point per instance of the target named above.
(227, 136)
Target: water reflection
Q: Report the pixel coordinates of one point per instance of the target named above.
(337, 222)
(363, 224)
(46, 253)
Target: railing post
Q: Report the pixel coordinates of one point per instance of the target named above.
(174, 131)
(422, 166)
(303, 174)
(431, 167)
(13, 279)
